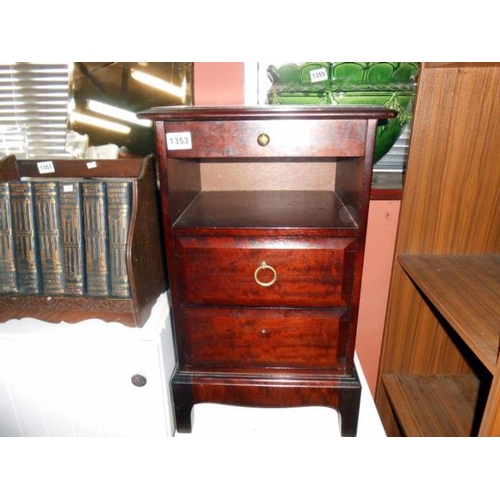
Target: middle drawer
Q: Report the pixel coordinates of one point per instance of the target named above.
(286, 272)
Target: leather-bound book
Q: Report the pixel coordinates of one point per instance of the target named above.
(24, 237)
(96, 238)
(118, 224)
(8, 281)
(71, 212)
(49, 236)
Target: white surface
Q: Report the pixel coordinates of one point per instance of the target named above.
(75, 380)
(216, 420)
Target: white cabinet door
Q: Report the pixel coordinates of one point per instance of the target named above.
(76, 387)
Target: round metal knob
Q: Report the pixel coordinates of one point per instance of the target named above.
(263, 140)
(264, 267)
(139, 380)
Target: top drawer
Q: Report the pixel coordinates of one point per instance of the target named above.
(265, 138)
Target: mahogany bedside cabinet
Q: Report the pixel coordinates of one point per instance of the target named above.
(265, 211)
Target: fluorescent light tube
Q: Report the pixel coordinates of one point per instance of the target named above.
(159, 84)
(99, 122)
(118, 113)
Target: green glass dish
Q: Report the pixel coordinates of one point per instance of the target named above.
(389, 84)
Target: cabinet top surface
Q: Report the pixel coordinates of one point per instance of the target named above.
(339, 112)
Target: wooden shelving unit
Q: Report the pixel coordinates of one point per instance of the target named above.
(439, 373)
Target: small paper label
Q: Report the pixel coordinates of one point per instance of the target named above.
(318, 75)
(179, 140)
(68, 188)
(45, 167)
(92, 164)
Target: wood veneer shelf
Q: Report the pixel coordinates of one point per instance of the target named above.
(433, 405)
(267, 209)
(466, 291)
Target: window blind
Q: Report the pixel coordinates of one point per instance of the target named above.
(395, 159)
(34, 100)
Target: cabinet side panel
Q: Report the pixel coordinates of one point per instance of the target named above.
(451, 201)
(490, 424)
(147, 273)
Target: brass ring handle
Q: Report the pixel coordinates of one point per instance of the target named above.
(263, 140)
(262, 267)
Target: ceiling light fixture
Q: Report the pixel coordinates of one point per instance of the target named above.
(160, 84)
(118, 113)
(99, 122)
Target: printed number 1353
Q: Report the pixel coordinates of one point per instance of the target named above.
(179, 140)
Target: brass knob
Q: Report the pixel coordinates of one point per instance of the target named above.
(263, 140)
(263, 267)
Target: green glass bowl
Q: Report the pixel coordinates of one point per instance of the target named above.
(389, 84)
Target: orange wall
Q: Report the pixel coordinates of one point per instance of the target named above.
(223, 83)
(218, 83)
(379, 250)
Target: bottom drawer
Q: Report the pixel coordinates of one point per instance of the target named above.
(271, 338)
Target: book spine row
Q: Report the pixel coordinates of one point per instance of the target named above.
(64, 237)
